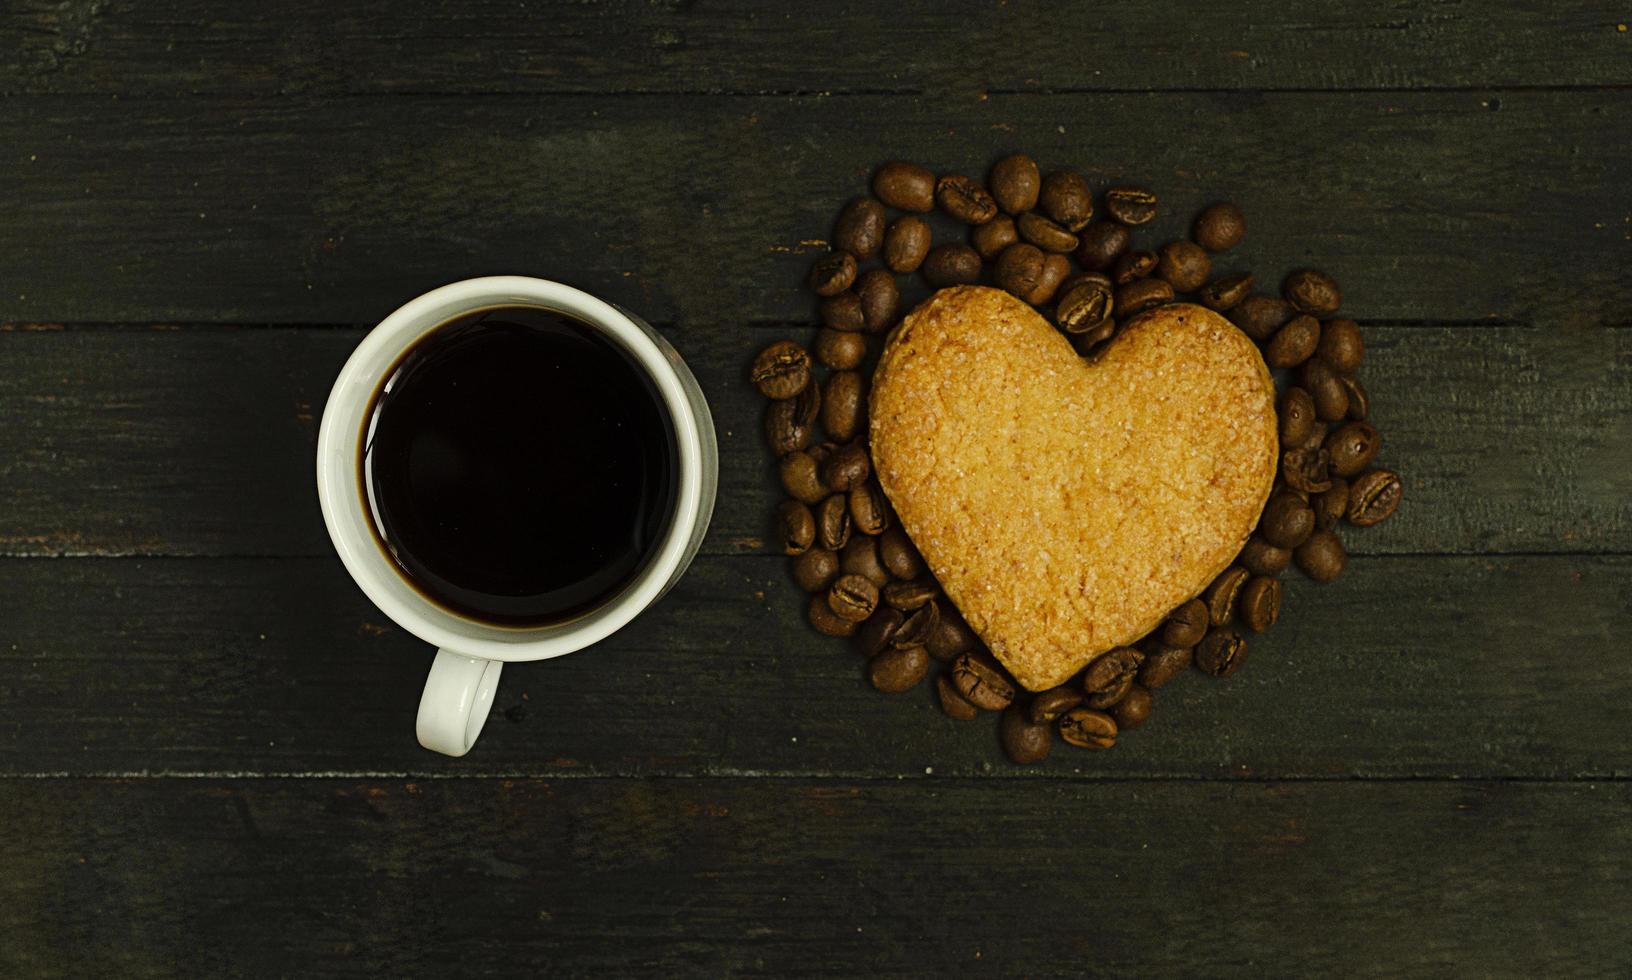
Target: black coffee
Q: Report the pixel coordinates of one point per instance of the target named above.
(520, 467)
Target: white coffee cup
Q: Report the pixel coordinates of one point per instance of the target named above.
(465, 674)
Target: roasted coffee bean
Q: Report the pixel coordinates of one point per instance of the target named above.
(842, 412)
(1133, 710)
(1110, 675)
(822, 451)
(898, 669)
(1286, 523)
(1221, 596)
(1186, 625)
(1044, 233)
(847, 468)
(790, 424)
(920, 626)
(1373, 497)
(860, 228)
(982, 682)
(833, 273)
(1047, 707)
(964, 199)
(1141, 295)
(1101, 244)
(1306, 470)
(860, 557)
(869, 513)
(1090, 344)
(900, 557)
(952, 702)
(1163, 663)
(841, 312)
(1330, 506)
(1325, 386)
(1294, 343)
(1025, 742)
(907, 596)
(1341, 345)
(1131, 205)
(1259, 316)
(833, 523)
(1184, 265)
(1352, 447)
(822, 616)
(1312, 292)
(815, 570)
(1359, 401)
(1019, 269)
(1321, 556)
(840, 350)
(873, 636)
(781, 370)
(1085, 304)
(951, 637)
(1112, 695)
(1261, 603)
(1220, 227)
(1056, 268)
(1317, 438)
(1297, 416)
(1226, 292)
(1262, 558)
(880, 299)
(991, 238)
(907, 243)
(795, 527)
(905, 186)
(1132, 266)
(952, 265)
(1221, 652)
(1088, 729)
(853, 597)
(1015, 182)
(1067, 199)
(801, 479)
(844, 406)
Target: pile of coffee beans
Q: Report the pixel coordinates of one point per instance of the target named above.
(1042, 238)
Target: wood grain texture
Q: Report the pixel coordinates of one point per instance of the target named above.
(1405, 668)
(629, 46)
(207, 764)
(724, 878)
(706, 212)
(200, 441)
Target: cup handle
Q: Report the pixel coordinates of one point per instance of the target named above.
(458, 694)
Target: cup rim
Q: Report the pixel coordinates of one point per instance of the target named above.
(341, 430)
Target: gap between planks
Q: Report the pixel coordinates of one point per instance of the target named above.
(747, 775)
(802, 93)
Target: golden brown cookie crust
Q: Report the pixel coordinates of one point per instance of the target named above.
(1065, 506)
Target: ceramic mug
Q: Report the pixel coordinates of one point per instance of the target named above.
(470, 654)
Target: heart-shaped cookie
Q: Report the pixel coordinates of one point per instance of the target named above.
(1067, 505)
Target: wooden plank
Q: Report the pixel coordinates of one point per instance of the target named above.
(200, 440)
(702, 211)
(827, 878)
(1409, 667)
(488, 46)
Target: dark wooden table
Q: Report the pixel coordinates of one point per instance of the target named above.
(207, 763)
